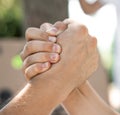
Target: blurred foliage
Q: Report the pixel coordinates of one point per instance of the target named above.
(10, 18)
(16, 62)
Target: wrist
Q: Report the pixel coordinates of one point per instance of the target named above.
(85, 98)
(77, 103)
(97, 105)
(74, 103)
(53, 81)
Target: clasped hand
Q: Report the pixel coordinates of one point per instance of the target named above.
(64, 54)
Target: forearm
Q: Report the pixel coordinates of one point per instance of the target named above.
(90, 8)
(37, 98)
(76, 104)
(99, 105)
(84, 101)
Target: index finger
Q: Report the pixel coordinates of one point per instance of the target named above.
(39, 33)
(35, 34)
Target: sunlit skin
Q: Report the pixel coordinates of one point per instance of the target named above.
(65, 80)
(52, 87)
(90, 8)
(82, 98)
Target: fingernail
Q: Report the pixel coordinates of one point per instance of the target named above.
(52, 31)
(54, 57)
(56, 48)
(52, 39)
(45, 65)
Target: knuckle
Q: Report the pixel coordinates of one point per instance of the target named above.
(58, 23)
(29, 46)
(94, 42)
(30, 73)
(24, 66)
(82, 29)
(27, 61)
(27, 33)
(26, 72)
(60, 26)
(44, 25)
(68, 21)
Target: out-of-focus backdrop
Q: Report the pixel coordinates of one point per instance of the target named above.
(17, 15)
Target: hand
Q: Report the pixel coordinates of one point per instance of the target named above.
(41, 49)
(75, 41)
(82, 56)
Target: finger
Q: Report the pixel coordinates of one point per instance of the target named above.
(35, 34)
(39, 46)
(68, 21)
(41, 58)
(57, 28)
(46, 26)
(61, 27)
(36, 69)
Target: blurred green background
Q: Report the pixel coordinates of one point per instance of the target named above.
(10, 18)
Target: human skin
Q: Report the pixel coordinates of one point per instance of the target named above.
(50, 87)
(78, 32)
(83, 100)
(90, 8)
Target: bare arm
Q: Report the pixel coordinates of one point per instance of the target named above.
(49, 89)
(38, 97)
(41, 94)
(90, 8)
(84, 100)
